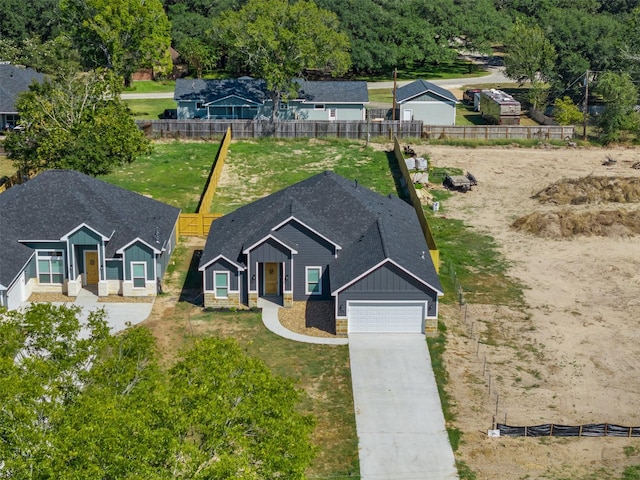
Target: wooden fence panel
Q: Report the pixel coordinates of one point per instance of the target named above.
(499, 132)
(196, 224)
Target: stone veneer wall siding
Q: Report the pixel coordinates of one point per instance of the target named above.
(342, 327)
(232, 300)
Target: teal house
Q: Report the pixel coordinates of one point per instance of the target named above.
(63, 231)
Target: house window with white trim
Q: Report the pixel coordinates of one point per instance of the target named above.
(313, 280)
(221, 284)
(139, 274)
(50, 266)
(284, 105)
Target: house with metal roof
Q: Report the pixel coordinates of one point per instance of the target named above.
(248, 98)
(326, 239)
(63, 231)
(426, 102)
(14, 80)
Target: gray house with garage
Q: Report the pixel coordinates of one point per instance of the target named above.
(247, 98)
(326, 239)
(63, 231)
(426, 102)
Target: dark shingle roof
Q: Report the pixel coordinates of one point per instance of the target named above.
(366, 225)
(55, 202)
(333, 92)
(213, 90)
(419, 87)
(13, 81)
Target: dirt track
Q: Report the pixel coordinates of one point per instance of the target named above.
(571, 355)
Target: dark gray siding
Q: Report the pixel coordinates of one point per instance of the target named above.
(165, 256)
(221, 265)
(313, 251)
(30, 271)
(270, 251)
(388, 283)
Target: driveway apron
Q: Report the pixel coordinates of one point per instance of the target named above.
(401, 428)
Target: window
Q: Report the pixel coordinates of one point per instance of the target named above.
(221, 284)
(284, 106)
(314, 281)
(199, 105)
(50, 266)
(318, 106)
(139, 274)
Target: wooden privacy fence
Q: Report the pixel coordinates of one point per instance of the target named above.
(15, 179)
(417, 205)
(207, 129)
(499, 132)
(199, 223)
(196, 224)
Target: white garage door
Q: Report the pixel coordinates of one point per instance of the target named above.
(385, 317)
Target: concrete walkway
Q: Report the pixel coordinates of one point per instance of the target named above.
(119, 315)
(401, 428)
(270, 320)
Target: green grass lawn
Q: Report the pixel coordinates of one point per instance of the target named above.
(381, 95)
(175, 173)
(6, 166)
(151, 86)
(255, 169)
(149, 109)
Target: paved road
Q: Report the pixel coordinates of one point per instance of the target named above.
(495, 77)
(399, 419)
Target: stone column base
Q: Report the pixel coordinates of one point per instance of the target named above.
(342, 327)
(253, 299)
(74, 287)
(431, 327)
(103, 288)
(287, 299)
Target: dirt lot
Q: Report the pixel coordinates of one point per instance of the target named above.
(570, 355)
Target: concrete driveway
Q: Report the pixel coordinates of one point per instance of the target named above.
(399, 418)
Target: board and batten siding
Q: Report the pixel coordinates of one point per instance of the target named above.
(430, 109)
(269, 251)
(163, 259)
(313, 251)
(388, 282)
(221, 265)
(139, 253)
(114, 270)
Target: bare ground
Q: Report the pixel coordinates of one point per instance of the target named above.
(569, 356)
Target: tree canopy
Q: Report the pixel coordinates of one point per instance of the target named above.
(76, 122)
(78, 403)
(120, 35)
(277, 41)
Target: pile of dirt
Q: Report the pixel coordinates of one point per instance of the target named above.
(567, 224)
(590, 190)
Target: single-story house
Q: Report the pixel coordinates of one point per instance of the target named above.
(326, 238)
(14, 80)
(427, 102)
(248, 98)
(62, 231)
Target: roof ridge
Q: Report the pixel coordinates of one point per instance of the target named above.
(381, 232)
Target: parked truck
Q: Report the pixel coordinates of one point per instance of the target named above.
(499, 107)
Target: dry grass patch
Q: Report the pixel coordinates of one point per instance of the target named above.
(589, 190)
(315, 319)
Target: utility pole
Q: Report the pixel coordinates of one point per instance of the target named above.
(395, 86)
(585, 112)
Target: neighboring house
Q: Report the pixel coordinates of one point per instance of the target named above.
(424, 101)
(248, 98)
(63, 230)
(14, 80)
(326, 238)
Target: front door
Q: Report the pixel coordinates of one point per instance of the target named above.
(407, 115)
(271, 278)
(91, 268)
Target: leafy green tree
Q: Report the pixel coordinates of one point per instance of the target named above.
(529, 57)
(566, 112)
(20, 20)
(78, 403)
(277, 41)
(51, 57)
(120, 35)
(620, 96)
(198, 55)
(77, 122)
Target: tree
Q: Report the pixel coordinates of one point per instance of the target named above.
(78, 403)
(620, 96)
(566, 112)
(76, 122)
(50, 57)
(277, 41)
(20, 20)
(198, 55)
(120, 35)
(529, 57)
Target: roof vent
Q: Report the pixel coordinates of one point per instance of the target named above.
(423, 254)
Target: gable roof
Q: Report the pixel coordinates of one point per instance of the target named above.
(419, 87)
(333, 92)
(13, 81)
(370, 228)
(56, 202)
(208, 91)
